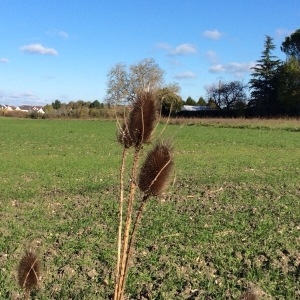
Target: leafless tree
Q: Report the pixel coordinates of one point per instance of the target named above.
(125, 83)
(227, 95)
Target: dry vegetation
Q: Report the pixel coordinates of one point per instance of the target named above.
(280, 123)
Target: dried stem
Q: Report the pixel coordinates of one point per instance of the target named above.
(167, 122)
(122, 274)
(136, 130)
(134, 227)
(120, 218)
(27, 295)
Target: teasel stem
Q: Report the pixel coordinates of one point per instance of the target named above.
(27, 295)
(120, 219)
(132, 235)
(124, 260)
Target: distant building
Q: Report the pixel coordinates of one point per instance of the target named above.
(23, 108)
(8, 107)
(39, 109)
(194, 108)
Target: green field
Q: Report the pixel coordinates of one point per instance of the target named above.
(229, 221)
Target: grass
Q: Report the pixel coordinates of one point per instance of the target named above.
(229, 221)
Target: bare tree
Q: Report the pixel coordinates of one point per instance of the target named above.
(227, 94)
(146, 75)
(125, 83)
(118, 85)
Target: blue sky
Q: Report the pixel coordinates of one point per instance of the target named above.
(63, 49)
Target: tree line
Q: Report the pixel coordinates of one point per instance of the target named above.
(80, 110)
(273, 90)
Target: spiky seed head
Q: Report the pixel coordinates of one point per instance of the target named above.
(29, 271)
(138, 128)
(156, 169)
(142, 118)
(249, 295)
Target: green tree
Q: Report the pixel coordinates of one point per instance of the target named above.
(56, 104)
(190, 101)
(289, 87)
(124, 83)
(48, 108)
(169, 98)
(95, 104)
(201, 102)
(263, 82)
(291, 45)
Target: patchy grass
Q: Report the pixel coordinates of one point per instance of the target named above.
(230, 220)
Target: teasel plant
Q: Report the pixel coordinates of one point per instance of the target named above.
(29, 272)
(249, 295)
(137, 130)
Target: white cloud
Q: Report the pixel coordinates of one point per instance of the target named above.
(186, 75)
(38, 49)
(4, 60)
(212, 34)
(217, 68)
(237, 69)
(183, 49)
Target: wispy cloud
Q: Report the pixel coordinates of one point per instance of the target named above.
(184, 49)
(212, 56)
(19, 98)
(163, 46)
(59, 33)
(281, 33)
(38, 49)
(4, 60)
(237, 69)
(186, 75)
(212, 34)
(63, 34)
(16, 95)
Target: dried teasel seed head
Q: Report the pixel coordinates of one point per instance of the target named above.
(29, 271)
(142, 118)
(249, 295)
(156, 169)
